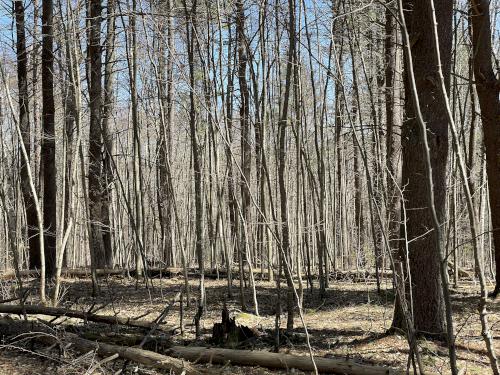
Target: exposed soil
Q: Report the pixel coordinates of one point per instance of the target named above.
(350, 323)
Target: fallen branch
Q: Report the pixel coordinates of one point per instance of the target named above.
(58, 311)
(277, 360)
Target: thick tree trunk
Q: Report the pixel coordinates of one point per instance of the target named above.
(428, 302)
(24, 124)
(488, 86)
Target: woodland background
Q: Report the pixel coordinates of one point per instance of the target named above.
(252, 141)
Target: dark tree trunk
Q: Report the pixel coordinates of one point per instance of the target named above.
(48, 152)
(97, 183)
(428, 302)
(233, 217)
(246, 148)
(358, 203)
(24, 123)
(488, 86)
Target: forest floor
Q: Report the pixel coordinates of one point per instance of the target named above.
(349, 323)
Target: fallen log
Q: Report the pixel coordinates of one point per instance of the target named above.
(105, 272)
(359, 275)
(9, 327)
(58, 312)
(8, 275)
(171, 359)
(144, 357)
(277, 361)
(153, 272)
(152, 342)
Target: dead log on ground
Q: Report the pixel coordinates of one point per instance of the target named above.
(277, 360)
(201, 355)
(58, 311)
(158, 342)
(9, 327)
(144, 357)
(359, 275)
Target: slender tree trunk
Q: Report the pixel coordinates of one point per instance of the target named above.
(393, 149)
(165, 76)
(48, 152)
(246, 149)
(106, 135)
(96, 184)
(190, 15)
(285, 252)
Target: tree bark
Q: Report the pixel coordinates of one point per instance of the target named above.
(190, 15)
(488, 86)
(97, 183)
(165, 140)
(48, 152)
(428, 301)
(24, 124)
(277, 360)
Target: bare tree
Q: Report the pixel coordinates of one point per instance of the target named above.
(48, 152)
(488, 86)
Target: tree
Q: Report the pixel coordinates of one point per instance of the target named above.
(24, 124)
(190, 14)
(244, 249)
(165, 92)
(285, 251)
(423, 250)
(97, 182)
(48, 152)
(393, 140)
(488, 87)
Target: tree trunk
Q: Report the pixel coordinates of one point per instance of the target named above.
(165, 140)
(190, 34)
(428, 302)
(96, 183)
(393, 145)
(488, 86)
(48, 152)
(24, 124)
(285, 252)
(106, 136)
